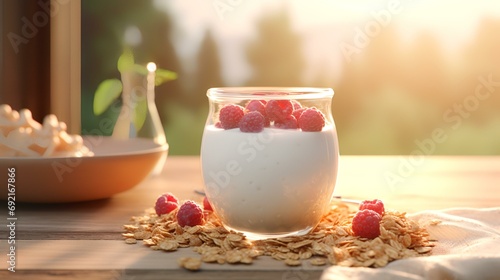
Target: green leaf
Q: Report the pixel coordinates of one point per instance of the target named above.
(126, 61)
(106, 93)
(163, 76)
(140, 113)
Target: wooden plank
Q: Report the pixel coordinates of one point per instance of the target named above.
(95, 255)
(437, 183)
(83, 241)
(159, 275)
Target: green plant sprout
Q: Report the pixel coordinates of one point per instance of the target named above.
(134, 109)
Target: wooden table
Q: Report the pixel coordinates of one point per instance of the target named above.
(83, 240)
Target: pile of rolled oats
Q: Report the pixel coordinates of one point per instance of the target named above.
(331, 242)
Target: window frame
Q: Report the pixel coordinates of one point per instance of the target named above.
(65, 56)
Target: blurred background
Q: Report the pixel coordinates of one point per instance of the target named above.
(409, 76)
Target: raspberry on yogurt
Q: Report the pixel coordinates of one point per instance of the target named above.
(288, 123)
(259, 106)
(252, 122)
(311, 120)
(279, 109)
(297, 112)
(230, 116)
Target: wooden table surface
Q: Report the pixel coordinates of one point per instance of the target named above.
(83, 240)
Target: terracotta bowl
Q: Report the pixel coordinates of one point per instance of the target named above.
(117, 165)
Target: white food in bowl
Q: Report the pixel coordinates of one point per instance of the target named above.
(21, 136)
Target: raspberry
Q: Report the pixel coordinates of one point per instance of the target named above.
(166, 203)
(218, 125)
(190, 214)
(376, 205)
(279, 109)
(256, 105)
(230, 116)
(366, 223)
(252, 122)
(289, 123)
(206, 204)
(297, 112)
(259, 106)
(311, 120)
(296, 105)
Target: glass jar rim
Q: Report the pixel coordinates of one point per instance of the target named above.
(267, 93)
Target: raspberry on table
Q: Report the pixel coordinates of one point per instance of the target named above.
(278, 109)
(230, 116)
(289, 123)
(252, 122)
(166, 203)
(376, 205)
(206, 204)
(190, 214)
(311, 120)
(366, 223)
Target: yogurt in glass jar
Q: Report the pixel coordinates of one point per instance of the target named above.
(269, 176)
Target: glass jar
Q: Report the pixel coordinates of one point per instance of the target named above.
(276, 180)
(139, 119)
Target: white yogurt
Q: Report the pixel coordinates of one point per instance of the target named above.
(273, 183)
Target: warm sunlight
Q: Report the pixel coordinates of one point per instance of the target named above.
(400, 69)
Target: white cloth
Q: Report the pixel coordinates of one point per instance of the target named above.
(468, 247)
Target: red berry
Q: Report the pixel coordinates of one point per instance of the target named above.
(366, 223)
(206, 204)
(297, 112)
(230, 116)
(296, 105)
(278, 109)
(259, 106)
(256, 105)
(376, 205)
(218, 125)
(289, 123)
(311, 120)
(190, 214)
(252, 122)
(165, 203)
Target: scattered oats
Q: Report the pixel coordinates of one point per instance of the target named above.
(168, 245)
(299, 244)
(331, 242)
(434, 222)
(291, 262)
(128, 235)
(318, 261)
(233, 256)
(148, 242)
(131, 241)
(130, 228)
(190, 263)
(423, 250)
(139, 235)
(234, 237)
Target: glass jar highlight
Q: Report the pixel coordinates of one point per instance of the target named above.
(278, 181)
